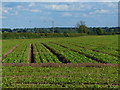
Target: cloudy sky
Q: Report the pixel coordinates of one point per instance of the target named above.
(64, 14)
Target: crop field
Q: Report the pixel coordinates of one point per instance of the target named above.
(61, 77)
(73, 62)
(89, 49)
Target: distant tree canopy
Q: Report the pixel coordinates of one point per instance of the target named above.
(99, 31)
(82, 28)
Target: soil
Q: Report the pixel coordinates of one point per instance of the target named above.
(10, 51)
(30, 54)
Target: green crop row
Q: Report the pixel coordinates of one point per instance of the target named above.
(19, 55)
(63, 77)
(97, 55)
(7, 45)
(43, 55)
(107, 44)
(99, 48)
(71, 56)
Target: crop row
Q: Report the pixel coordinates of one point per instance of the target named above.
(92, 49)
(19, 55)
(43, 55)
(99, 48)
(66, 77)
(97, 55)
(7, 45)
(69, 55)
(57, 53)
(107, 44)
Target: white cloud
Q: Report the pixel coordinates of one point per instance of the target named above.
(69, 6)
(111, 4)
(47, 13)
(100, 11)
(35, 10)
(9, 11)
(2, 17)
(0, 8)
(57, 7)
(19, 7)
(85, 15)
(70, 0)
(80, 6)
(32, 4)
(6, 10)
(14, 13)
(67, 14)
(61, 1)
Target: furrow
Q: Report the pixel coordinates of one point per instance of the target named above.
(30, 54)
(96, 50)
(10, 51)
(93, 58)
(59, 56)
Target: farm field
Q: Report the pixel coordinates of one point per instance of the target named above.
(60, 77)
(73, 62)
(86, 49)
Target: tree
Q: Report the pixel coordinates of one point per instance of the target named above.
(99, 31)
(82, 28)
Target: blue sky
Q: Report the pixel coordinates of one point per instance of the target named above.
(64, 14)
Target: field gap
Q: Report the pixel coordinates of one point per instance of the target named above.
(30, 54)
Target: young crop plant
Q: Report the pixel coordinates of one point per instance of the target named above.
(95, 55)
(19, 55)
(73, 57)
(43, 55)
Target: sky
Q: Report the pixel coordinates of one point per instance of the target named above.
(63, 14)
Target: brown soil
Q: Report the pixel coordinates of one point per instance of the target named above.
(61, 64)
(30, 54)
(11, 50)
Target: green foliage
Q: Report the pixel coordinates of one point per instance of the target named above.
(61, 77)
(38, 35)
(104, 49)
(82, 28)
(99, 31)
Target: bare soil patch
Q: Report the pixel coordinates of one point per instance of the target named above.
(30, 54)
(10, 51)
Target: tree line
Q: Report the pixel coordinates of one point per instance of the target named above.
(80, 29)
